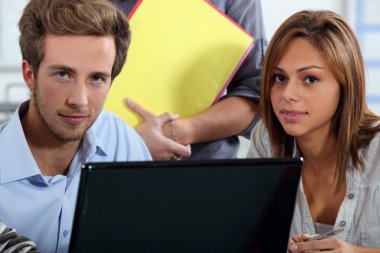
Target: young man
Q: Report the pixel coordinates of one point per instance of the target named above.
(72, 51)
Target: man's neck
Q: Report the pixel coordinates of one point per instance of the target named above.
(56, 160)
(52, 156)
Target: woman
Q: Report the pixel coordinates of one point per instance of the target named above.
(313, 105)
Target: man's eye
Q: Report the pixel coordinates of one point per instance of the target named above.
(97, 79)
(62, 74)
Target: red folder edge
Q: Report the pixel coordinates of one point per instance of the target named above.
(233, 74)
(242, 59)
(134, 9)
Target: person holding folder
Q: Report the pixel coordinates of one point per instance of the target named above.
(213, 133)
(313, 105)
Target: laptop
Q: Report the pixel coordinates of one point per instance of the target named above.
(224, 206)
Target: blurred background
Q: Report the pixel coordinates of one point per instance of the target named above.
(363, 15)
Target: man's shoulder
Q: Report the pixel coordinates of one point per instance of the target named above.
(117, 138)
(10, 128)
(110, 119)
(3, 125)
(109, 125)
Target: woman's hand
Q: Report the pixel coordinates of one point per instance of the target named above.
(331, 244)
(295, 239)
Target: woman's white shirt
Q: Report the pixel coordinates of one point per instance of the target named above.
(359, 214)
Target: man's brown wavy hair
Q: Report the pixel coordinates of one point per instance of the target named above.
(71, 17)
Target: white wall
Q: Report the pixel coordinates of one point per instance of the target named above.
(276, 11)
(12, 89)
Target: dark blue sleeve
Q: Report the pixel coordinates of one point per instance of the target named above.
(246, 82)
(247, 13)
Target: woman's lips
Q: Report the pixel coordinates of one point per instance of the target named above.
(292, 116)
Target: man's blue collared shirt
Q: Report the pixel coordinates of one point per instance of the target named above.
(41, 207)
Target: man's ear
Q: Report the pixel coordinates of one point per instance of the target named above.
(28, 74)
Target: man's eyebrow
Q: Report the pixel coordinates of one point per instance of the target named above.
(300, 69)
(61, 67)
(101, 73)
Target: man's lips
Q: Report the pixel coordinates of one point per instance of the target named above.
(74, 118)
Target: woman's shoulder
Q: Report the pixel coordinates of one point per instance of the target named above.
(259, 142)
(370, 156)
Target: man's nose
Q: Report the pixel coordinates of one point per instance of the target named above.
(78, 95)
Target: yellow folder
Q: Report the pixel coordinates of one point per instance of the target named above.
(182, 56)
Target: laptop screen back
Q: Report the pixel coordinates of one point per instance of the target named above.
(186, 206)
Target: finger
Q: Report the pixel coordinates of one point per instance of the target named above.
(297, 238)
(329, 243)
(293, 242)
(293, 247)
(137, 108)
(179, 149)
(162, 156)
(166, 117)
(315, 245)
(307, 236)
(290, 243)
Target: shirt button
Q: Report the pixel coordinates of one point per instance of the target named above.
(351, 196)
(342, 223)
(65, 233)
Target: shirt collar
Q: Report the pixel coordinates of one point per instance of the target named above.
(92, 145)
(17, 161)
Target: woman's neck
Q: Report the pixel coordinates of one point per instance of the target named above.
(320, 153)
(320, 178)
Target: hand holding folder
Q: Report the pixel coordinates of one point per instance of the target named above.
(182, 56)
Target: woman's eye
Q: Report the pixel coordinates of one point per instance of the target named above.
(278, 78)
(311, 79)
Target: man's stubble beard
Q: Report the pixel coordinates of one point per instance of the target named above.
(56, 132)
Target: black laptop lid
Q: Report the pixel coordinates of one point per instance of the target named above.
(240, 205)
